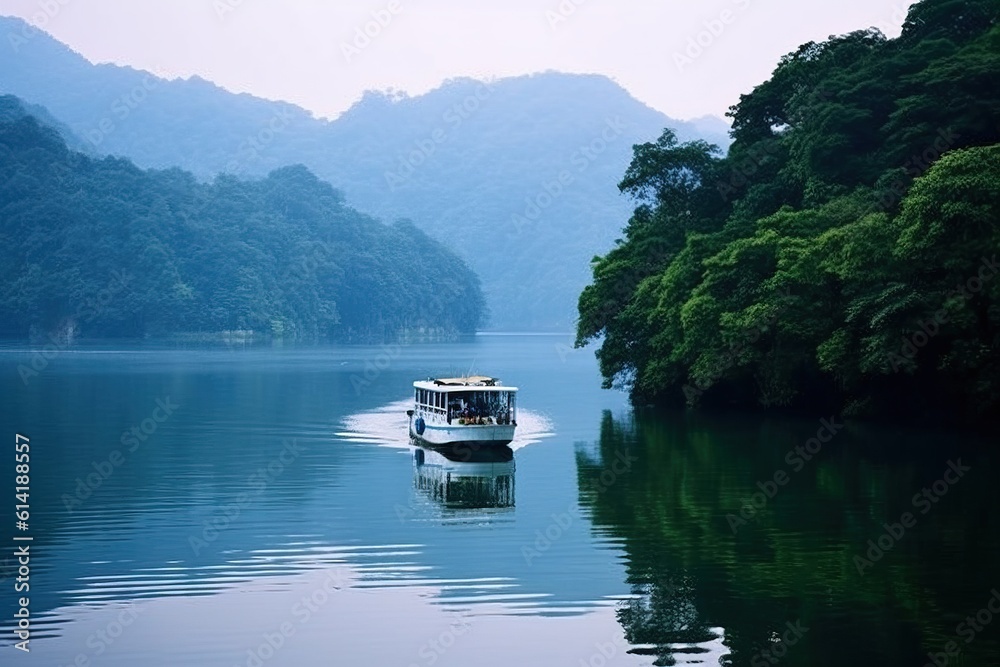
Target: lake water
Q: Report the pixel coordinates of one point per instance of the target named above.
(261, 506)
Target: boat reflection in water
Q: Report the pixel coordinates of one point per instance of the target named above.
(464, 476)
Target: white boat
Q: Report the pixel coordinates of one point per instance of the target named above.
(475, 411)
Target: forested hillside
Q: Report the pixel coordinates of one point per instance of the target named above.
(476, 166)
(843, 255)
(101, 248)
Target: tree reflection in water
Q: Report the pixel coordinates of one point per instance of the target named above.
(694, 579)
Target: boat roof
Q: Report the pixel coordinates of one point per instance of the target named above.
(477, 382)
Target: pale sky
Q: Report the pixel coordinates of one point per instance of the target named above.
(308, 52)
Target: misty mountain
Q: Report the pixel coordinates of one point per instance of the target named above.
(517, 175)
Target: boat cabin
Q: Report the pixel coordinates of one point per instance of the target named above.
(470, 401)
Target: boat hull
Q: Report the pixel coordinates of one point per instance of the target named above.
(441, 435)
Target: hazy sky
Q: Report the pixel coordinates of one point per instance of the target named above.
(316, 54)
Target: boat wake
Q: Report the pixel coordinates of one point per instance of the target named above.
(387, 426)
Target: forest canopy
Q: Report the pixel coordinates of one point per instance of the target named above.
(100, 248)
(842, 255)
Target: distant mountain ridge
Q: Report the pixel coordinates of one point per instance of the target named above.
(517, 175)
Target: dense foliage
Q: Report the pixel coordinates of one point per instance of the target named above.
(843, 254)
(102, 248)
(475, 166)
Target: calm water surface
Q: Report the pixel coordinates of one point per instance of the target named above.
(255, 507)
